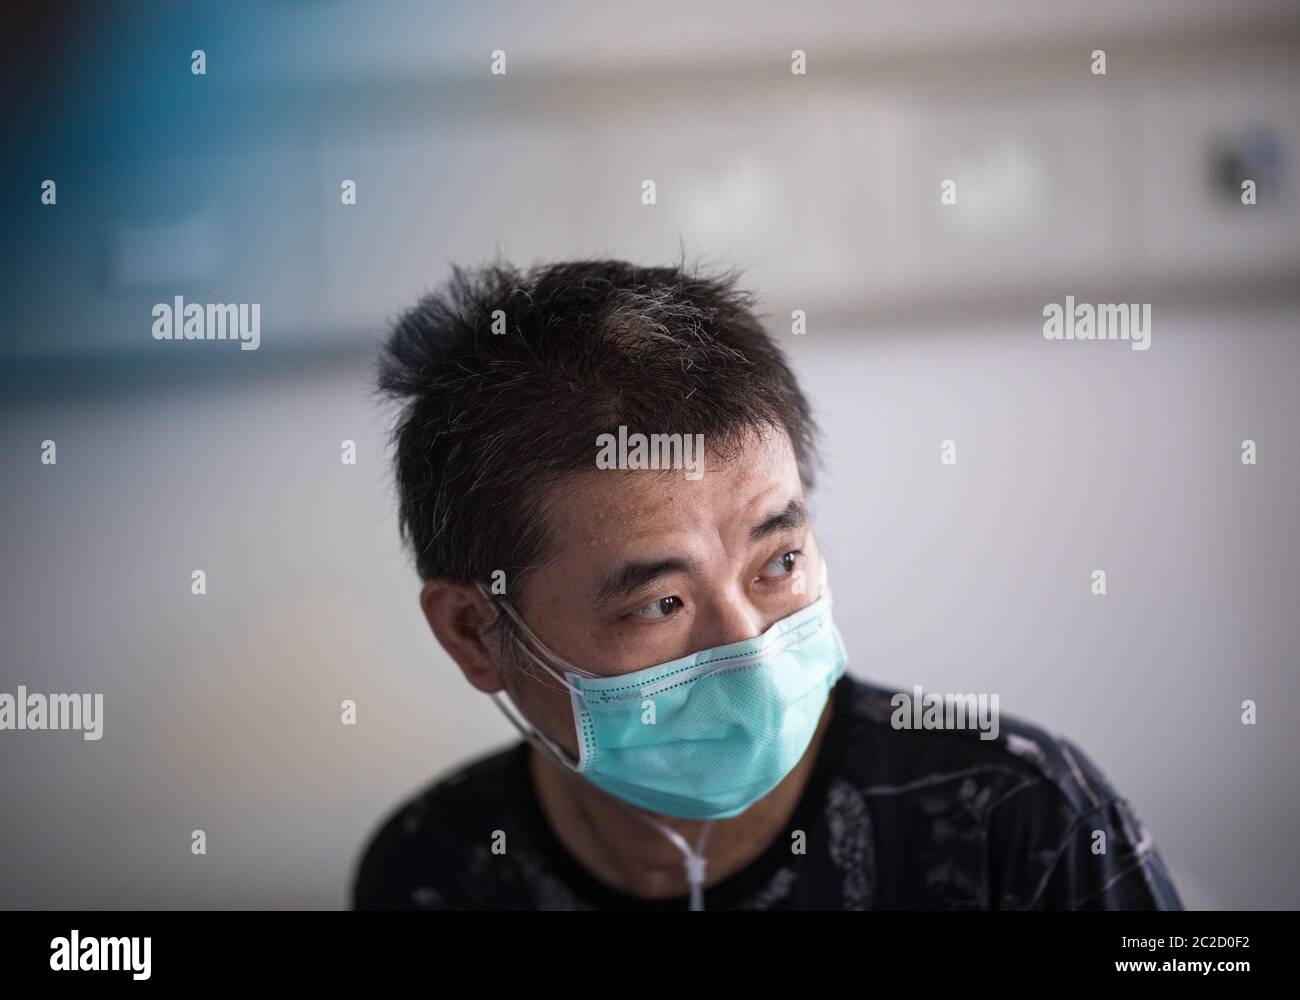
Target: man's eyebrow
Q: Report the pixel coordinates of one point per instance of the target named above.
(795, 515)
(636, 575)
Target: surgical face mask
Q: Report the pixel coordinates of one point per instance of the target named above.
(707, 735)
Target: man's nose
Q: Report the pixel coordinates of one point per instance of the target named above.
(732, 618)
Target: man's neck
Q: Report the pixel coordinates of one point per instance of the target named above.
(632, 856)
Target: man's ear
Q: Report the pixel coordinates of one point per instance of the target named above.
(458, 614)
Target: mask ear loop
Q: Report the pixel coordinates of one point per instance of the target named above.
(506, 605)
(694, 860)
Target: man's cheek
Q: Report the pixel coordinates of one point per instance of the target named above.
(554, 711)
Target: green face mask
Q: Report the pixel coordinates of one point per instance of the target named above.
(707, 735)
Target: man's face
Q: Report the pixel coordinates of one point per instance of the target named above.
(652, 566)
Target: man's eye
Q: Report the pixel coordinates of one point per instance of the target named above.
(658, 610)
(783, 565)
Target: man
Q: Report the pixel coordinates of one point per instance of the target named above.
(603, 474)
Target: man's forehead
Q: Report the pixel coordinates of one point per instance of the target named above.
(757, 471)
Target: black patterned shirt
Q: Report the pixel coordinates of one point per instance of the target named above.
(892, 819)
